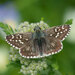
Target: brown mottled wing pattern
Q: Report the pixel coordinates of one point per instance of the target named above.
(59, 32)
(53, 46)
(24, 43)
(54, 36)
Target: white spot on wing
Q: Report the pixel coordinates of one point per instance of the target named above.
(57, 35)
(61, 32)
(16, 40)
(20, 36)
(58, 29)
(10, 39)
(21, 42)
(55, 29)
(63, 27)
(12, 36)
(50, 34)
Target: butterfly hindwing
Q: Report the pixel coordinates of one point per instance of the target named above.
(27, 51)
(53, 46)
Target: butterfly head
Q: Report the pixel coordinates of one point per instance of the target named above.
(37, 29)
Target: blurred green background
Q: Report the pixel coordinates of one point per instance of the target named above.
(54, 12)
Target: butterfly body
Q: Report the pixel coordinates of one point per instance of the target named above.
(40, 43)
(39, 39)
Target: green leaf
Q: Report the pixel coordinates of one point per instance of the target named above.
(6, 28)
(69, 21)
(14, 63)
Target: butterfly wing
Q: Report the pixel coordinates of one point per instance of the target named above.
(59, 32)
(53, 46)
(54, 36)
(24, 43)
(18, 40)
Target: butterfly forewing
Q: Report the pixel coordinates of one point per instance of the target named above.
(59, 32)
(15, 40)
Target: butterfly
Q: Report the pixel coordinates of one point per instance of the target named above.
(39, 43)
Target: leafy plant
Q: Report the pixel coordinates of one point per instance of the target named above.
(40, 66)
(6, 28)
